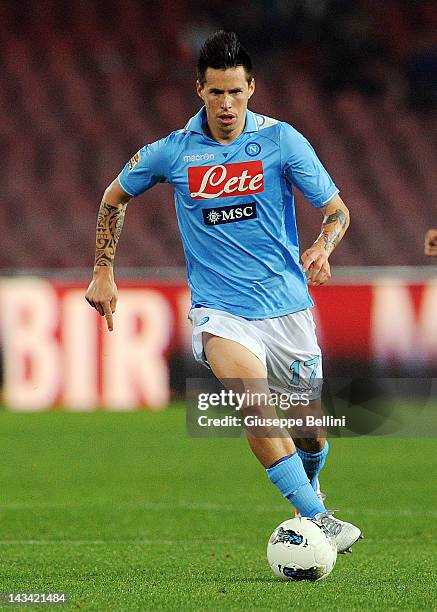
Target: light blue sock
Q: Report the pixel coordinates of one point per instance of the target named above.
(313, 462)
(288, 474)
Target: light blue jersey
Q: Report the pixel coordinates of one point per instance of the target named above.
(235, 210)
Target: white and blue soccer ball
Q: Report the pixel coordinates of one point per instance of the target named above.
(299, 549)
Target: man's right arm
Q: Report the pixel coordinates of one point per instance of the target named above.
(102, 291)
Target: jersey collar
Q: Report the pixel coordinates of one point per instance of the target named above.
(196, 123)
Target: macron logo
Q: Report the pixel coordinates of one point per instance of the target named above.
(224, 181)
(199, 157)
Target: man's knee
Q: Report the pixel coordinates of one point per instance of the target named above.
(311, 445)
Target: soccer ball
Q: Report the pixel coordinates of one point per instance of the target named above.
(299, 549)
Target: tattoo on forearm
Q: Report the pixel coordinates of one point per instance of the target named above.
(333, 236)
(109, 225)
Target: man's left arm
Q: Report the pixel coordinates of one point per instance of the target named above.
(315, 259)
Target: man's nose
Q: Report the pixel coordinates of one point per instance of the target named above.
(226, 101)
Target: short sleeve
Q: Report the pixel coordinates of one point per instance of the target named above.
(146, 168)
(303, 168)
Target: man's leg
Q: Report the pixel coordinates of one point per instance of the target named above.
(240, 370)
(312, 445)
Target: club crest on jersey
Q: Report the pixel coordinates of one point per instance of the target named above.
(253, 149)
(134, 160)
(225, 181)
(229, 214)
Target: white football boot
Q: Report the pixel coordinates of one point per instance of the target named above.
(344, 534)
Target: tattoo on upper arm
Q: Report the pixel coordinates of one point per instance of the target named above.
(332, 238)
(109, 225)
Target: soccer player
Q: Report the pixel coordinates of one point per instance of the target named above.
(233, 171)
(431, 243)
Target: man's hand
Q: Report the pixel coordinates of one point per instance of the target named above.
(102, 291)
(316, 265)
(102, 294)
(431, 243)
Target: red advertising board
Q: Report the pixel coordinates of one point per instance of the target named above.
(56, 350)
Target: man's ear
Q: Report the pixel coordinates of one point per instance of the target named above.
(251, 87)
(199, 89)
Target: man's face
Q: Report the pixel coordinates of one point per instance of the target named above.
(225, 94)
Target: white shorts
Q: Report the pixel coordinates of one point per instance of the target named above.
(287, 346)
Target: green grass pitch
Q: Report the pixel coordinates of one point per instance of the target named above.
(125, 512)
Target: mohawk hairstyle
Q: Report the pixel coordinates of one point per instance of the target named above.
(220, 51)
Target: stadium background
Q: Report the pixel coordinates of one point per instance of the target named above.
(84, 84)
